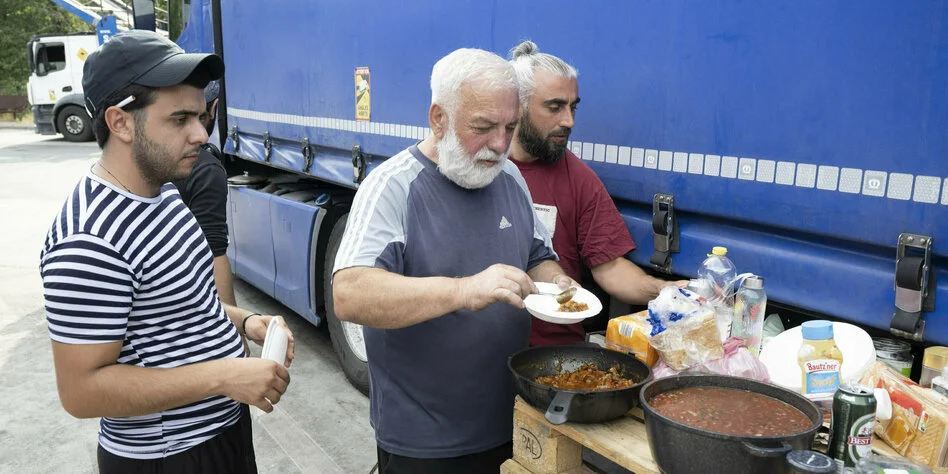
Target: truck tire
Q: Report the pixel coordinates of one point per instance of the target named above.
(346, 337)
(74, 123)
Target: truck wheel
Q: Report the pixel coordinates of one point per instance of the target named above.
(74, 123)
(346, 337)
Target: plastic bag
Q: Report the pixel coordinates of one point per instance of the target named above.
(737, 361)
(672, 305)
(683, 328)
(772, 326)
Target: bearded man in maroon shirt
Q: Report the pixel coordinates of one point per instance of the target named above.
(568, 197)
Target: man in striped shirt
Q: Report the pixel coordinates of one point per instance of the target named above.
(140, 337)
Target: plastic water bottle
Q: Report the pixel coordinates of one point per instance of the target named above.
(720, 273)
(750, 309)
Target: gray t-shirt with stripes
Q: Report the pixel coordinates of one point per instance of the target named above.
(441, 388)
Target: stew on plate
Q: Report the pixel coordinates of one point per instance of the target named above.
(573, 306)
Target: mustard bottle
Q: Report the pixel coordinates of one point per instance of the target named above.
(820, 361)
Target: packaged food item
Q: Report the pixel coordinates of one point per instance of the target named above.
(683, 328)
(934, 360)
(820, 363)
(918, 428)
(629, 333)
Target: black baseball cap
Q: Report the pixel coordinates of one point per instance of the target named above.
(144, 58)
(212, 91)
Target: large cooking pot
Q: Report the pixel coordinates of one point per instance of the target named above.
(679, 448)
(583, 406)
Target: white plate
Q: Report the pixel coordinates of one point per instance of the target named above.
(275, 342)
(780, 355)
(545, 307)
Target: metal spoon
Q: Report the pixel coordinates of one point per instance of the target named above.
(563, 296)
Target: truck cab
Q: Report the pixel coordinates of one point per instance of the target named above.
(55, 84)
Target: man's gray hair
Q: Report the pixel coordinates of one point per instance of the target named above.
(527, 58)
(464, 66)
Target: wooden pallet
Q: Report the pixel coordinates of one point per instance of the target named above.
(513, 467)
(544, 448)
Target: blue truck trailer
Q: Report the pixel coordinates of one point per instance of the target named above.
(810, 138)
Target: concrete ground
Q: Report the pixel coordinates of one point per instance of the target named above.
(320, 426)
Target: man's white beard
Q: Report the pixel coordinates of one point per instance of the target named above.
(463, 169)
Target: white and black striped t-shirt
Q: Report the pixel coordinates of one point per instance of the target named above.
(119, 267)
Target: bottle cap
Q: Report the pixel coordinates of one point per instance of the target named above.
(816, 330)
(719, 251)
(753, 282)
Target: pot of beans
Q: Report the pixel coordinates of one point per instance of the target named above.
(583, 383)
(723, 424)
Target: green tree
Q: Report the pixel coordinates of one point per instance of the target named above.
(174, 17)
(19, 21)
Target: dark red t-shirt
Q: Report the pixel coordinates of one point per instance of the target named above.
(588, 227)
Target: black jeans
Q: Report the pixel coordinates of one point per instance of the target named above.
(485, 462)
(230, 452)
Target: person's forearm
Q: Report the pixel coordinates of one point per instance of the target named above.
(628, 283)
(237, 315)
(546, 271)
(120, 390)
(376, 298)
(224, 280)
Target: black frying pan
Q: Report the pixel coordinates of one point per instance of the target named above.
(576, 405)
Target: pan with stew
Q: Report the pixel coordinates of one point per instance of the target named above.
(744, 425)
(580, 383)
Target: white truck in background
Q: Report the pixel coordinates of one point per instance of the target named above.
(55, 61)
(55, 84)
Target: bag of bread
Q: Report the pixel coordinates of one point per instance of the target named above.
(918, 428)
(629, 334)
(683, 328)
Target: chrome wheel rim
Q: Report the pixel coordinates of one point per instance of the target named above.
(74, 125)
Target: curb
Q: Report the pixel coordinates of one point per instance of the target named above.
(16, 125)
